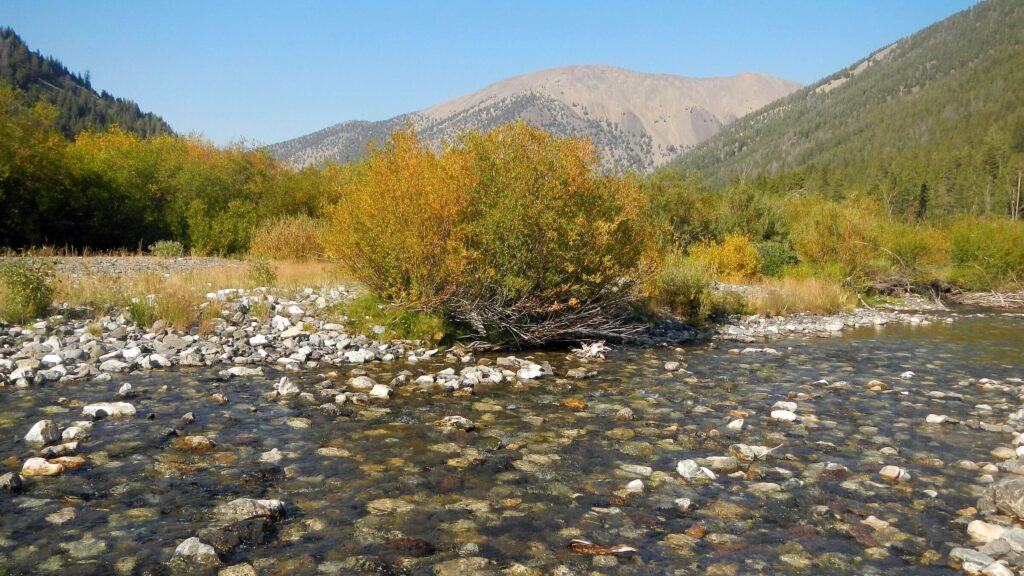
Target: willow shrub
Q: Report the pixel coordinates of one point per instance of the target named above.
(684, 287)
(988, 253)
(512, 232)
(735, 259)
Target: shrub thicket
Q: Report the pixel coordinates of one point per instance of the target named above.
(775, 257)
(512, 232)
(684, 287)
(988, 253)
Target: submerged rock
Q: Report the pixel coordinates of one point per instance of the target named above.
(109, 410)
(242, 509)
(195, 552)
(41, 467)
(1006, 496)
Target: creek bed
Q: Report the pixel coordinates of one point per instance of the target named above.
(382, 489)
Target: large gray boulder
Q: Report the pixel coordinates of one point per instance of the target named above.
(1006, 496)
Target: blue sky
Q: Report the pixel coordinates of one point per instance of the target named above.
(271, 70)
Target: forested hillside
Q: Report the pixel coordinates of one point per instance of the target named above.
(929, 126)
(78, 105)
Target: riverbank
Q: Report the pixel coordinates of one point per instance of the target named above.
(294, 327)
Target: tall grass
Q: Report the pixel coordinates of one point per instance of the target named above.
(25, 289)
(779, 297)
(179, 297)
(294, 238)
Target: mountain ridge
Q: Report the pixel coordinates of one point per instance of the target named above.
(636, 120)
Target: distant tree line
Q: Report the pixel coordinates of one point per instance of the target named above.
(78, 106)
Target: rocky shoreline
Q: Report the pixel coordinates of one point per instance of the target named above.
(71, 346)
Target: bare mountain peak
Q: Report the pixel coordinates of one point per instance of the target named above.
(636, 120)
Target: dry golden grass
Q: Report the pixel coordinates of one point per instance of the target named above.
(179, 297)
(293, 238)
(790, 295)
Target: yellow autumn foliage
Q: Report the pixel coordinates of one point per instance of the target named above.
(506, 231)
(735, 259)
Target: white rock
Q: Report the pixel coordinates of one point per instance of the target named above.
(194, 550)
(243, 371)
(75, 432)
(362, 383)
(997, 569)
(784, 405)
(108, 410)
(907, 375)
(635, 487)
(893, 473)
(280, 323)
(530, 372)
(736, 425)
(936, 418)
(125, 390)
(272, 456)
(114, 365)
(42, 433)
(783, 415)
(40, 467)
(52, 360)
(690, 470)
(358, 356)
(983, 532)
(130, 354)
(285, 387)
(381, 391)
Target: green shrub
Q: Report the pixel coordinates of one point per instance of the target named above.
(827, 233)
(369, 315)
(261, 273)
(167, 249)
(513, 232)
(775, 257)
(684, 287)
(26, 290)
(988, 253)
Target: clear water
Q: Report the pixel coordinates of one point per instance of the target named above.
(536, 474)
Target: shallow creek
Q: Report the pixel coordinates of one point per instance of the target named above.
(547, 462)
